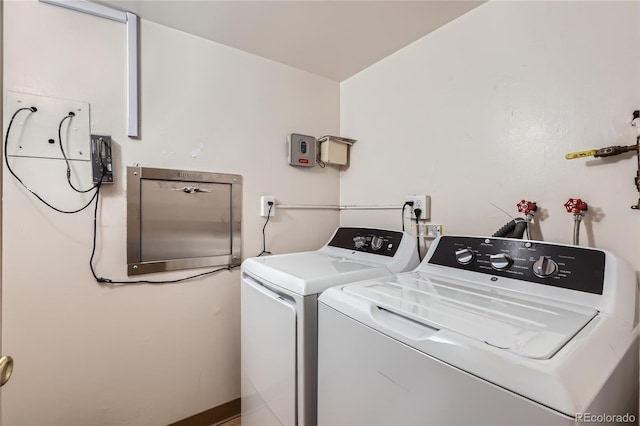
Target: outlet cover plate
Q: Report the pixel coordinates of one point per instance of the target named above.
(264, 205)
(422, 202)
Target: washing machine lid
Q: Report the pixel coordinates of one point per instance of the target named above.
(524, 324)
(311, 272)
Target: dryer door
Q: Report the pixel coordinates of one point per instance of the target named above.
(268, 349)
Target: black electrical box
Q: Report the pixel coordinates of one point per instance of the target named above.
(101, 163)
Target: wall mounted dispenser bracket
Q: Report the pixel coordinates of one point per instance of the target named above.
(335, 149)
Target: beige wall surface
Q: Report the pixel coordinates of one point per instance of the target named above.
(90, 354)
(484, 110)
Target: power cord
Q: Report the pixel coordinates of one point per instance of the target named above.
(407, 203)
(6, 160)
(66, 160)
(417, 213)
(264, 237)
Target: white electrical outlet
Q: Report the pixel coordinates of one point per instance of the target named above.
(433, 231)
(422, 202)
(264, 205)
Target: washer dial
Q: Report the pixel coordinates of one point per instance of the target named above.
(544, 267)
(465, 256)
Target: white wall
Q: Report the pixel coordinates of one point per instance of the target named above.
(484, 109)
(88, 354)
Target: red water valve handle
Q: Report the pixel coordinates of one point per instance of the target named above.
(575, 206)
(526, 207)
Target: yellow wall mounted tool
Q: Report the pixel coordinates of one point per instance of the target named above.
(580, 154)
(609, 152)
(602, 152)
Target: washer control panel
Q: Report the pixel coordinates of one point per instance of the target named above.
(375, 241)
(574, 268)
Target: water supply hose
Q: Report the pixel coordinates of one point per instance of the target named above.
(578, 208)
(576, 229)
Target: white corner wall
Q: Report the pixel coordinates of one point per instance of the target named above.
(485, 108)
(88, 354)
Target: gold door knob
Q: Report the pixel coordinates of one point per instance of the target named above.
(6, 368)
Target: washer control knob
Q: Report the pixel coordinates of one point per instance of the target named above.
(544, 267)
(465, 256)
(500, 261)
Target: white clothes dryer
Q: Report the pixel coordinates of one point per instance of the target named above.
(279, 317)
(486, 331)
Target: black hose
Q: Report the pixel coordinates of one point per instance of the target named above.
(521, 226)
(516, 228)
(505, 230)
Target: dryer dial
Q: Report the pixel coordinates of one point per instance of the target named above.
(376, 243)
(359, 241)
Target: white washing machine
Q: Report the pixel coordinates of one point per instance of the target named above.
(279, 317)
(486, 331)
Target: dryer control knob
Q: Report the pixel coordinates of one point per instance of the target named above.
(544, 267)
(500, 261)
(376, 243)
(359, 241)
(465, 256)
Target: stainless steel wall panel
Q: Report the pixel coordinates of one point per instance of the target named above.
(180, 219)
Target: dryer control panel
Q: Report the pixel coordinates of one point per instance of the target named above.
(375, 241)
(570, 267)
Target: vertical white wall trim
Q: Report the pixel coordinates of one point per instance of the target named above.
(132, 75)
(131, 20)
